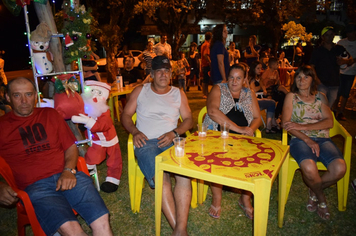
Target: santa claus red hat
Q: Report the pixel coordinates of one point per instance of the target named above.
(68, 41)
(97, 83)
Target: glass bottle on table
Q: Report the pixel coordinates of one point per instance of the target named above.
(119, 79)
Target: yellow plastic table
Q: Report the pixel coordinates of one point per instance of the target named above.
(242, 162)
(113, 99)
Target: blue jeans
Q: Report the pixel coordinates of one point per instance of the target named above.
(328, 151)
(54, 208)
(330, 93)
(268, 104)
(146, 158)
(181, 84)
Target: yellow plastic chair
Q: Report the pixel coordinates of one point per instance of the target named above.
(203, 188)
(136, 177)
(342, 184)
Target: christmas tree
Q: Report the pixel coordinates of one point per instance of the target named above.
(76, 31)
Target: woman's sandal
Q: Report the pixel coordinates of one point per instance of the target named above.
(312, 203)
(244, 209)
(217, 210)
(323, 211)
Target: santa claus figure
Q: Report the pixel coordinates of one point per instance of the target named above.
(105, 140)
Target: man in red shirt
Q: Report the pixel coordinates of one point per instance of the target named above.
(40, 150)
(205, 63)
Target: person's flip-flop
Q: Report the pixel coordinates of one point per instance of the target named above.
(244, 209)
(216, 209)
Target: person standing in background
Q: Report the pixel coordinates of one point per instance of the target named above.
(219, 56)
(167, 48)
(252, 50)
(308, 50)
(298, 54)
(205, 63)
(347, 73)
(147, 56)
(327, 60)
(234, 54)
(194, 63)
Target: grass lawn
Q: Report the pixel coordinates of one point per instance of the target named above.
(297, 220)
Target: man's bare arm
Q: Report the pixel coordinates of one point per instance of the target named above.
(67, 180)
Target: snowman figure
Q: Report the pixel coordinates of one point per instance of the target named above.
(105, 141)
(39, 41)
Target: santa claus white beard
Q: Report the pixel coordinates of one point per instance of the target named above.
(94, 109)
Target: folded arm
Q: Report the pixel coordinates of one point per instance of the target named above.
(295, 128)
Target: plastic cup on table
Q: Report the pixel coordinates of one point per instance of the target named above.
(202, 130)
(224, 129)
(126, 83)
(179, 146)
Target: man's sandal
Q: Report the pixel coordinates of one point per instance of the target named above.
(323, 211)
(312, 203)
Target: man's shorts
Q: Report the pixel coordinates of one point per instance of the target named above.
(346, 82)
(146, 157)
(54, 208)
(206, 77)
(328, 151)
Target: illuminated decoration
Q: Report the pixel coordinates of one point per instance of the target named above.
(75, 27)
(66, 83)
(66, 99)
(72, 4)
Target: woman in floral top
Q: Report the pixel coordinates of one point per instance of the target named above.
(307, 117)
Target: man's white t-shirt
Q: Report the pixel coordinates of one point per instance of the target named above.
(350, 47)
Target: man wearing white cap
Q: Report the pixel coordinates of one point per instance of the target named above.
(158, 107)
(327, 60)
(105, 140)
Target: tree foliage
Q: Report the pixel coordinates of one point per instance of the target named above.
(113, 17)
(295, 31)
(271, 14)
(172, 17)
(77, 26)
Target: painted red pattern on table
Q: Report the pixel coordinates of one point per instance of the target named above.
(255, 155)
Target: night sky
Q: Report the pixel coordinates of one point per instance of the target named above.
(12, 38)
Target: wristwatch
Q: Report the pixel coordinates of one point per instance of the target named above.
(175, 132)
(73, 171)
